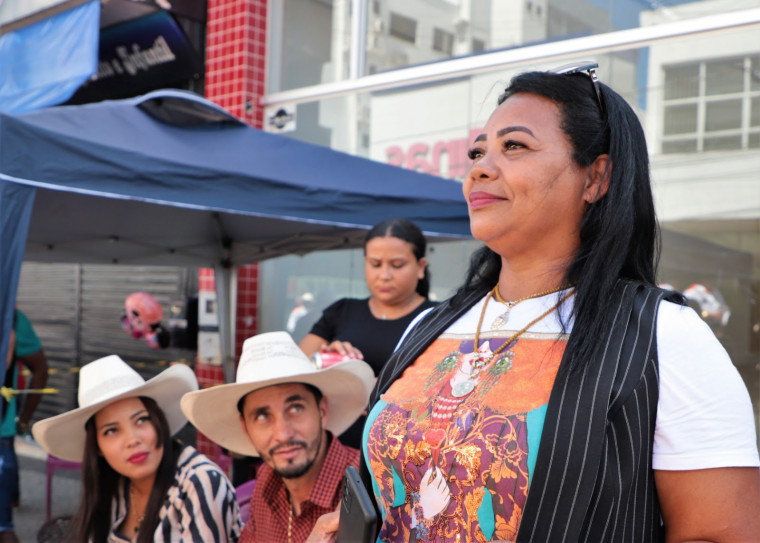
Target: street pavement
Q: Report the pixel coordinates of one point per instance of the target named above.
(30, 514)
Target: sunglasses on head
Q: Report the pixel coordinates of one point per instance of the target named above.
(584, 68)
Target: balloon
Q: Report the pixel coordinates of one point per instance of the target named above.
(143, 320)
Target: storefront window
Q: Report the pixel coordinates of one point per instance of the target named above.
(699, 101)
(710, 105)
(724, 76)
(754, 119)
(312, 39)
(680, 119)
(682, 82)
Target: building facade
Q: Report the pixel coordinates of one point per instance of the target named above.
(407, 82)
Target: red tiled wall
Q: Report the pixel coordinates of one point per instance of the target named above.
(236, 56)
(235, 78)
(206, 280)
(246, 323)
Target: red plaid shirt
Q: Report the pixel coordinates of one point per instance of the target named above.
(270, 507)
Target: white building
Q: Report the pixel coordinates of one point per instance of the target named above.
(415, 77)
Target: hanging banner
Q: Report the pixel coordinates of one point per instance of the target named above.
(139, 56)
(15, 14)
(44, 63)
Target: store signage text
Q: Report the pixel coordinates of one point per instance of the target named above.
(141, 55)
(131, 61)
(443, 158)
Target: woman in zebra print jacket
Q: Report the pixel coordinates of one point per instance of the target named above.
(138, 484)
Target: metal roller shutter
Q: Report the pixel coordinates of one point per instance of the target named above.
(76, 311)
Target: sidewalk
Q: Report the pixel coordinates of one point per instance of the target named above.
(30, 515)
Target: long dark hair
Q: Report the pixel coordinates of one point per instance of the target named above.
(619, 236)
(405, 230)
(100, 484)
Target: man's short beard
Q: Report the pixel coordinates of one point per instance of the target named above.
(294, 472)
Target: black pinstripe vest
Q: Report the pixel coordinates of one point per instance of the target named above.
(593, 480)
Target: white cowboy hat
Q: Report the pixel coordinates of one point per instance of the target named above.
(270, 359)
(103, 382)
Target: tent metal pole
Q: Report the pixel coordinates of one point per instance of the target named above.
(223, 281)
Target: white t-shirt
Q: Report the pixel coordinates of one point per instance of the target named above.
(704, 412)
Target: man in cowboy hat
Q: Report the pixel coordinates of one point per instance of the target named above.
(284, 409)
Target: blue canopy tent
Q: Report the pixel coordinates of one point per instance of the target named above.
(170, 178)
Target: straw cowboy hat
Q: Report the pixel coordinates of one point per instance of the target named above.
(103, 382)
(270, 359)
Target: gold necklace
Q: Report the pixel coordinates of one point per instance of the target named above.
(133, 508)
(290, 524)
(481, 360)
(501, 320)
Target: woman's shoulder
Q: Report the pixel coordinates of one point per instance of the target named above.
(201, 502)
(427, 304)
(687, 346)
(701, 393)
(350, 303)
(675, 320)
(350, 307)
(424, 310)
(345, 304)
(192, 464)
(424, 305)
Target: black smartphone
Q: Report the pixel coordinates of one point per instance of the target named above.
(358, 520)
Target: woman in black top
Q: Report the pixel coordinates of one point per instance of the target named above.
(396, 271)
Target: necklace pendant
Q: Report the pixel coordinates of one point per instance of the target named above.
(479, 363)
(463, 388)
(501, 320)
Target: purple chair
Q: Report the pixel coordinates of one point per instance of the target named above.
(243, 494)
(54, 463)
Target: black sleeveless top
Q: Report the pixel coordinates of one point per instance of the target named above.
(351, 320)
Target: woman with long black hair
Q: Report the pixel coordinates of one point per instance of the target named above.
(560, 395)
(138, 484)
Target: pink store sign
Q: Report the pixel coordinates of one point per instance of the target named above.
(443, 158)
